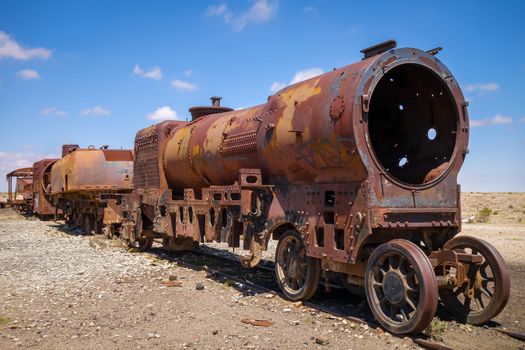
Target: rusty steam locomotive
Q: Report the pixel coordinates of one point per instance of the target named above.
(353, 171)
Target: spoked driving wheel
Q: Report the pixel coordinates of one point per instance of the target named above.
(297, 274)
(486, 288)
(401, 287)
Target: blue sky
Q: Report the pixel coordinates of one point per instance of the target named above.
(93, 72)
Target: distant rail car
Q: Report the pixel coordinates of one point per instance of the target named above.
(353, 171)
(87, 184)
(22, 197)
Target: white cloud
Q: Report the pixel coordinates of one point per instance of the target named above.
(11, 161)
(298, 77)
(482, 88)
(11, 49)
(311, 10)
(216, 10)
(500, 119)
(53, 111)
(497, 119)
(276, 86)
(188, 73)
(97, 110)
(261, 11)
(28, 74)
(306, 74)
(183, 85)
(163, 113)
(474, 123)
(154, 73)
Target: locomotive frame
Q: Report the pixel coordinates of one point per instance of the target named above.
(389, 228)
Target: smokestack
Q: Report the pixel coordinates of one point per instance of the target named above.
(216, 101)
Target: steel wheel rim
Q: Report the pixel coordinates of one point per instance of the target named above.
(292, 267)
(483, 299)
(401, 287)
(483, 294)
(396, 288)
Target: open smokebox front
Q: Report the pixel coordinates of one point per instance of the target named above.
(412, 123)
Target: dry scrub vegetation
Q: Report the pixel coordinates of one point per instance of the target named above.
(494, 208)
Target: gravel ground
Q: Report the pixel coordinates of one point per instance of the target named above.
(59, 290)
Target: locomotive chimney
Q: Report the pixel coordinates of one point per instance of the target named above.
(216, 101)
(200, 111)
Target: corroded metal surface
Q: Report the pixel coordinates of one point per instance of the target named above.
(22, 196)
(42, 205)
(484, 289)
(92, 170)
(87, 185)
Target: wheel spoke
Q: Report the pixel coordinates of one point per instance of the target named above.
(486, 292)
(466, 303)
(479, 301)
(410, 303)
(404, 314)
(377, 284)
(383, 272)
(392, 313)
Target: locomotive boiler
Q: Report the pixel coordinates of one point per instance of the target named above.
(353, 171)
(87, 184)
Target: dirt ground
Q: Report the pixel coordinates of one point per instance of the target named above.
(60, 290)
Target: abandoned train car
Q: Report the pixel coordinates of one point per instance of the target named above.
(22, 197)
(353, 171)
(87, 184)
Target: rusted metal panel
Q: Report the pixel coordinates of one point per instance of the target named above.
(42, 205)
(148, 162)
(89, 170)
(23, 195)
(86, 185)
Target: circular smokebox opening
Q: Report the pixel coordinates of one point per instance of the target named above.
(412, 122)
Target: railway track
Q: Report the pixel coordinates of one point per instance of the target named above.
(200, 260)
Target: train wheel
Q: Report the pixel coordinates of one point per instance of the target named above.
(486, 289)
(145, 244)
(401, 287)
(297, 274)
